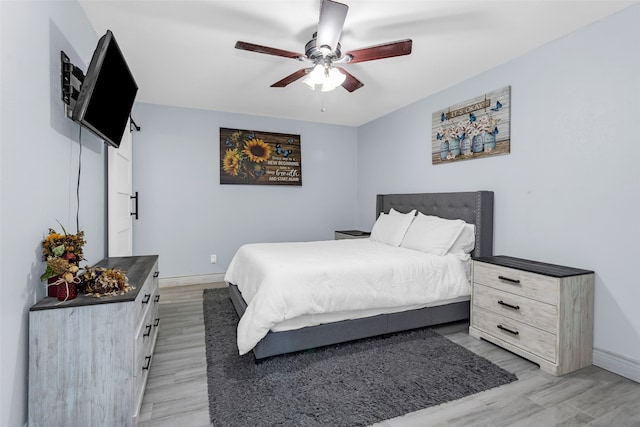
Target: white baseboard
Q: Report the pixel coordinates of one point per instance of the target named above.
(617, 364)
(165, 282)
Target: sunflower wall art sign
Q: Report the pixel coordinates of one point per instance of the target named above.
(476, 128)
(259, 158)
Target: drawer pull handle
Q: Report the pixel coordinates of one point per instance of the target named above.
(508, 330)
(146, 366)
(156, 274)
(146, 299)
(148, 328)
(157, 298)
(515, 307)
(507, 279)
(156, 323)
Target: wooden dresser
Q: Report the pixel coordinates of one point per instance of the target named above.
(542, 312)
(89, 357)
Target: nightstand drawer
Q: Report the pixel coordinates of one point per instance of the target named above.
(517, 307)
(533, 340)
(530, 285)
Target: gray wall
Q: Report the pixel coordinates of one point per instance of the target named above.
(38, 169)
(568, 192)
(186, 214)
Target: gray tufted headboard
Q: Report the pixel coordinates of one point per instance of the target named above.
(473, 207)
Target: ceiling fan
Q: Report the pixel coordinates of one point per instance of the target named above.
(323, 52)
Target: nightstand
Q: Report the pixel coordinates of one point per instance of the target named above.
(542, 312)
(352, 234)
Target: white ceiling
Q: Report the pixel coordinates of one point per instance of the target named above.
(182, 52)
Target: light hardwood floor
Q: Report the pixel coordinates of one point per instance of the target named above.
(176, 393)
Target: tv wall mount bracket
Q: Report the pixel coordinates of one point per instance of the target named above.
(71, 78)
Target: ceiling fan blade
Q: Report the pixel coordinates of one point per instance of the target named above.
(291, 78)
(267, 50)
(332, 16)
(386, 50)
(350, 83)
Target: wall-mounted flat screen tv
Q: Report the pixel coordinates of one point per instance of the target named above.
(107, 93)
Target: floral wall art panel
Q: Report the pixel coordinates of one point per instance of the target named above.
(259, 158)
(479, 127)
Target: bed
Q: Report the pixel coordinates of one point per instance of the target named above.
(474, 208)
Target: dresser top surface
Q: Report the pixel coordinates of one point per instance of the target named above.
(534, 266)
(354, 232)
(137, 269)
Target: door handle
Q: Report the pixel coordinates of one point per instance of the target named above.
(135, 213)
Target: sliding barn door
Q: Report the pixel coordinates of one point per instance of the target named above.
(120, 190)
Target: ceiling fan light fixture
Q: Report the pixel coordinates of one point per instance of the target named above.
(332, 79)
(308, 83)
(336, 77)
(327, 86)
(325, 76)
(316, 77)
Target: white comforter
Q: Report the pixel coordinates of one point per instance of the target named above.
(281, 281)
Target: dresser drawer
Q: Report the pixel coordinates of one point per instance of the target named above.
(141, 378)
(533, 340)
(530, 285)
(143, 341)
(146, 297)
(144, 348)
(517, 307)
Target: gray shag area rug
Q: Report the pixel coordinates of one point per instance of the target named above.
(352, 384)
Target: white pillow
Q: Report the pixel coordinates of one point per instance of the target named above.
(432, 234)
(465, 243)
(390, 229)
(395, 212)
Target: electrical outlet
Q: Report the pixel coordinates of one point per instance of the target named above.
(214, 259)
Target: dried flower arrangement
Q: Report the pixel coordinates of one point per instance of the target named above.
(100, 281)
(62, 253)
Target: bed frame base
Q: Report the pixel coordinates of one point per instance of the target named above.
(473, 207)
(275, 343)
